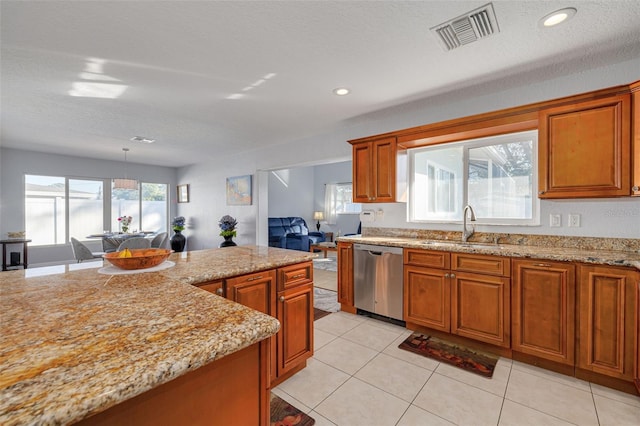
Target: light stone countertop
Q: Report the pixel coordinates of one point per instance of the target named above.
(76, 342)
(565, 254)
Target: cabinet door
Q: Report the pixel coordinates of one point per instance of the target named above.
(606, 320)
(256, 291)
(543, 309)
(427, 297)
(480, 307)
(585, 149)
(384, 170)
(362, 173)
(635, 142)
(295, 338)
(216, 287)
(345, 276)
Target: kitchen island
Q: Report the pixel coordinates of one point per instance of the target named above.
(78, 343)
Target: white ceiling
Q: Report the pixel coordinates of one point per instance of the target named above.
(180, 61)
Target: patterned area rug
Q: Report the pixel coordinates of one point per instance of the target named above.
(478, 362)
(285, 414)
(326, 300)
(327, 264)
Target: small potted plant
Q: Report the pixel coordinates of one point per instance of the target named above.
(227, 226)
(178, 240)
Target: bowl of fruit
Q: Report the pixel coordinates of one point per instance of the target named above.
(137, 258)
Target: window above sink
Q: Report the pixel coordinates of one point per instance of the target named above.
(496, 175)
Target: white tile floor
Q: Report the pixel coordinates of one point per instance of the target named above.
(358, 376)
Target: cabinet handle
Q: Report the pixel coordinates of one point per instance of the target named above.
(220, 291)
(282, 298)
(543, 265)
(541, 192)
(254, 278)
(298, 276)
(447, 275)
(636, 188)
(453, 275)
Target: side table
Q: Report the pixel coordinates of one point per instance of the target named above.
(24, 251)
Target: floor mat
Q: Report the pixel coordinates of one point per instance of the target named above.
(478, 362)
(319, 313)
(326, 300)
(284, 414)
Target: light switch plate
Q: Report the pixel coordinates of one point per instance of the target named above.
(555, 220)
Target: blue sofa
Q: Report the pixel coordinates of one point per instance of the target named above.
(292, 233)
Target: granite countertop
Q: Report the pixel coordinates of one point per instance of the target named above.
(78, 342)
(602, 257)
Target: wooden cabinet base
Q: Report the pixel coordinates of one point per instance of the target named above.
(231, 390)
(607, 381)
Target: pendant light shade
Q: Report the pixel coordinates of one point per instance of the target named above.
(125, 183)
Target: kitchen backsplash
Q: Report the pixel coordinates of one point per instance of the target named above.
(580, 243)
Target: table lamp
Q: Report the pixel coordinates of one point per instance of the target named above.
(318, 216)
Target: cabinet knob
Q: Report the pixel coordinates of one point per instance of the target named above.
(447, 275)
(220, 291)
(453, 275)
(541, 192)
(282, 298)
(636, 188)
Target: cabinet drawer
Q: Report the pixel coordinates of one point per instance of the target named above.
(482, 264)
(294, 275)
(428, 258)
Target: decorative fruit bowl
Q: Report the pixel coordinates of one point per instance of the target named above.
(137, 258)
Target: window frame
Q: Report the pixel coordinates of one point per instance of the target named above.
(467, 144)
(106, 203)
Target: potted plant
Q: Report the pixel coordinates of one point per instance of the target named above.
(178, 240)
(227, 226)
(125, 221)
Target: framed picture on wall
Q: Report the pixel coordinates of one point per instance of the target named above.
(183, 193)
(239, 191)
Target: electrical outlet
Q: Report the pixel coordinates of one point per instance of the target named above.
(555, 220)
(574, 220)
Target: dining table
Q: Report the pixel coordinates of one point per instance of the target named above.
(112, 240)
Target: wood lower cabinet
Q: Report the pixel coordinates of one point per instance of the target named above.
(216, 287)
(295, 338)
(257, 291)
(345, 277)
(543, 303)
(585, 149)
(374, 171)
(480, 306)
(470, 304)
(607, 320)
(427, 297)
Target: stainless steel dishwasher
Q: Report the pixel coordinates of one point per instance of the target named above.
(377, 279)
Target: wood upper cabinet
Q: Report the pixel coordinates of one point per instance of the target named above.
(635, 141)
(345, 276)
(607, 320)
(257, 291)
(585, 149)
(374, 171)
(543, 307)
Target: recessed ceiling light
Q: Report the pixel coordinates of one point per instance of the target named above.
(557, 17)
(341, 91)
(142, 139)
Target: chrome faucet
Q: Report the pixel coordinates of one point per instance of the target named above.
(466, 233)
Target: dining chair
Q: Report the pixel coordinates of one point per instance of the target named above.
(135, 243)
(82, 252)
(160, 240)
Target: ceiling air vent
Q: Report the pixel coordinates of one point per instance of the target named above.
(467, 28)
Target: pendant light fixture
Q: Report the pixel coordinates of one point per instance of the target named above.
(125, 183)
